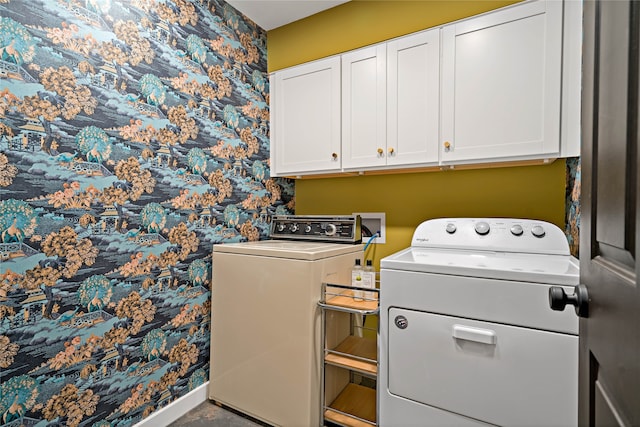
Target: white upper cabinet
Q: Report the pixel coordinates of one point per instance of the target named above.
(492, 88)
(413, 85)
(305, 113)
(501, 85)
(571, 79)
(390, 103)
(364, 107)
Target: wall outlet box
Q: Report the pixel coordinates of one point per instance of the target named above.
(374, 222)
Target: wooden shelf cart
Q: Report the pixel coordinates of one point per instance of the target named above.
(350, 353)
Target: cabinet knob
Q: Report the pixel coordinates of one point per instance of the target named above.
(334, 156)
(380, 151)
(391, 151)
(447, 146)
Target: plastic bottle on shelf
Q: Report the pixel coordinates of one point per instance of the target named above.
(369, 279)
(357, 274)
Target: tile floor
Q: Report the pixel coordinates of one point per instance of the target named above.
(209, 414)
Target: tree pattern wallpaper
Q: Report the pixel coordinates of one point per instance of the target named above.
(134, 135)
(572, 204)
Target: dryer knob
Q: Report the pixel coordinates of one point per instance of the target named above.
(517, 230)
(538, 231)
(451, 228)
(482, 228)
(331, 229)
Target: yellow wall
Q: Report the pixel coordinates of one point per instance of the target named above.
(408, 199)
(360, 23)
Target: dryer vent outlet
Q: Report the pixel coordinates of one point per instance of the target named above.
(374, 222)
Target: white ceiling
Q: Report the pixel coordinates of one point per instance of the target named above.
(270, 14)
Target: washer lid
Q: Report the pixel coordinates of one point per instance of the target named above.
(521, 267)
(309, 251)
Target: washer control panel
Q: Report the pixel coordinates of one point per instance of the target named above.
(492, 234)
(324, 228)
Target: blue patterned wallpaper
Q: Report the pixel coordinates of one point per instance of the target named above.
(572, 207)
(133, 137)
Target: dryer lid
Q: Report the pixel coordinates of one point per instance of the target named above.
(534, 268)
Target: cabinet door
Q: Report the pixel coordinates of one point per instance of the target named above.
(364, 107)
(413, 84)
(501, 91)
(306, 117)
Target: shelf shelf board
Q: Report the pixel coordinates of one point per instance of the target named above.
(346, 300)
(359, 348)
(357, 400)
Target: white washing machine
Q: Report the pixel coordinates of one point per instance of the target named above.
(266, 342)
(467, 337)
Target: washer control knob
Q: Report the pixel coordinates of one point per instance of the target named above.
(293, 228)
(482, 228)
(538, 231)
(281, 227)
(307, 229)
(331, 230)
(451, 228)
(517, 230)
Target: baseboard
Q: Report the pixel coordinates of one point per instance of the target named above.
(177, 408)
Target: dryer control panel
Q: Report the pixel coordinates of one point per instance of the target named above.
(325, 228)
(492, 234)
